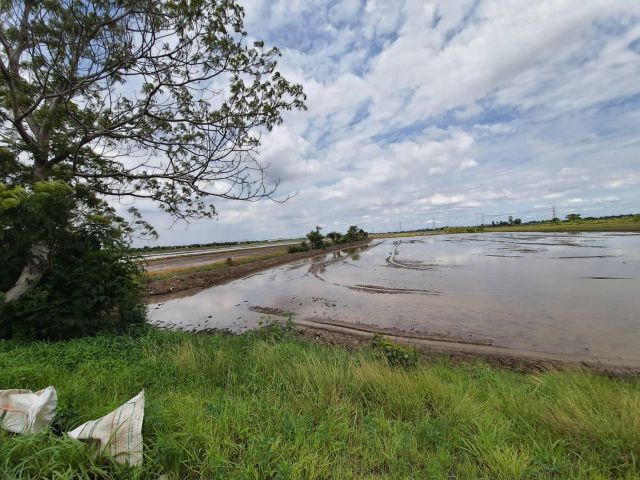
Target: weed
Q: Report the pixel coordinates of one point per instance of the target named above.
(397, 355)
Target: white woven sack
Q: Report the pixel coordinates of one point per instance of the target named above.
(24, 411)
(118, 433)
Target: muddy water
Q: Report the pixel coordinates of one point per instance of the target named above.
(573, 295)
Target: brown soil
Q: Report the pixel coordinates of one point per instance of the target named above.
(355, 339)
(182, 285)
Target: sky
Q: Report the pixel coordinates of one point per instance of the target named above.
(424, 114)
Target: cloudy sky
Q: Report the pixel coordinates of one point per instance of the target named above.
(441, 111)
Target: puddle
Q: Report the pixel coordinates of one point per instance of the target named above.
(517, 291)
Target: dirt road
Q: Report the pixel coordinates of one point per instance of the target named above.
(182, 260)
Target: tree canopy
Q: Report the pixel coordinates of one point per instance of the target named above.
(157, 99)
(140, 98)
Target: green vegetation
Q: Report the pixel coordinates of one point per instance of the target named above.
(303, 247)
(208, 267)
(90, 282)
(315, 238)
(396, 355)
(66, 144)
(574, 223)
(317, 241)
(268, 405)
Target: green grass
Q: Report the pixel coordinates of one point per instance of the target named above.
(178, 271)
(270, 405)
(585, 226)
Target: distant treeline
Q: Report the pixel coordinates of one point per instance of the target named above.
(576, 217)
(200, 245)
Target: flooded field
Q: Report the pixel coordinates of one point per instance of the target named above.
(573, 296)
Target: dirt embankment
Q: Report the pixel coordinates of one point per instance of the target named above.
(192, 282)
(517, 361)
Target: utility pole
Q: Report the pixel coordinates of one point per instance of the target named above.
(482, 224)
(399, 227)
(553, 212)
(433, 225)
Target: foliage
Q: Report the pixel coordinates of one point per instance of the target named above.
(354, 234)
(396, 355)
(334, 237)
(315, 238)
(224, 406)
(91, 284)
(161, 100)
(303, 247)
(139, 99)
(275, 330)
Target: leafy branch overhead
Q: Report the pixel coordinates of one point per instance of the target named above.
(153, 99)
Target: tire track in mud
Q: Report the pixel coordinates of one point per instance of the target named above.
(389, 290)
(392, 259)
(317, 268)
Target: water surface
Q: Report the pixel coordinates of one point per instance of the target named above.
(576, 295)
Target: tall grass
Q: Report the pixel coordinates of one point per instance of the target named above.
(268, 405)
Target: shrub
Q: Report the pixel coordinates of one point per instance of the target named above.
(395, 354)
(92, 283)
(315, 238)
(303, 247)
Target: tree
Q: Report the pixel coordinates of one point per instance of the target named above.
(334, 237)
(573, 217)
(315, 238)
(162, 100)
(354, 233)
(92, 284)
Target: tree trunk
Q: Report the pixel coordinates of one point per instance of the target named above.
(31, 273)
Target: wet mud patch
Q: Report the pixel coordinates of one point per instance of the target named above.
(468, 340)
(581, 257)
(389, 290)
(278, 312)
(610, 278)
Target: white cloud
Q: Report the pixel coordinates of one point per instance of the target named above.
(452, 107)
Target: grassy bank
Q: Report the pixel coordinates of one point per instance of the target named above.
(208, 267)
(270, 405)
(630, 223)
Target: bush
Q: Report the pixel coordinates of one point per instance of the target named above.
(92, 282)
(395, 354)
(315, 238)
(303, 247)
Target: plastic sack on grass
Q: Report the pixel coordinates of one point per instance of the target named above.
(118, 433)
(24, 411)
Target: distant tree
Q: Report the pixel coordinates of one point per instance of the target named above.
(517, 221)
(334, 237)
(510, 220)
(573, 217)
(315, 238)
(354, 233)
